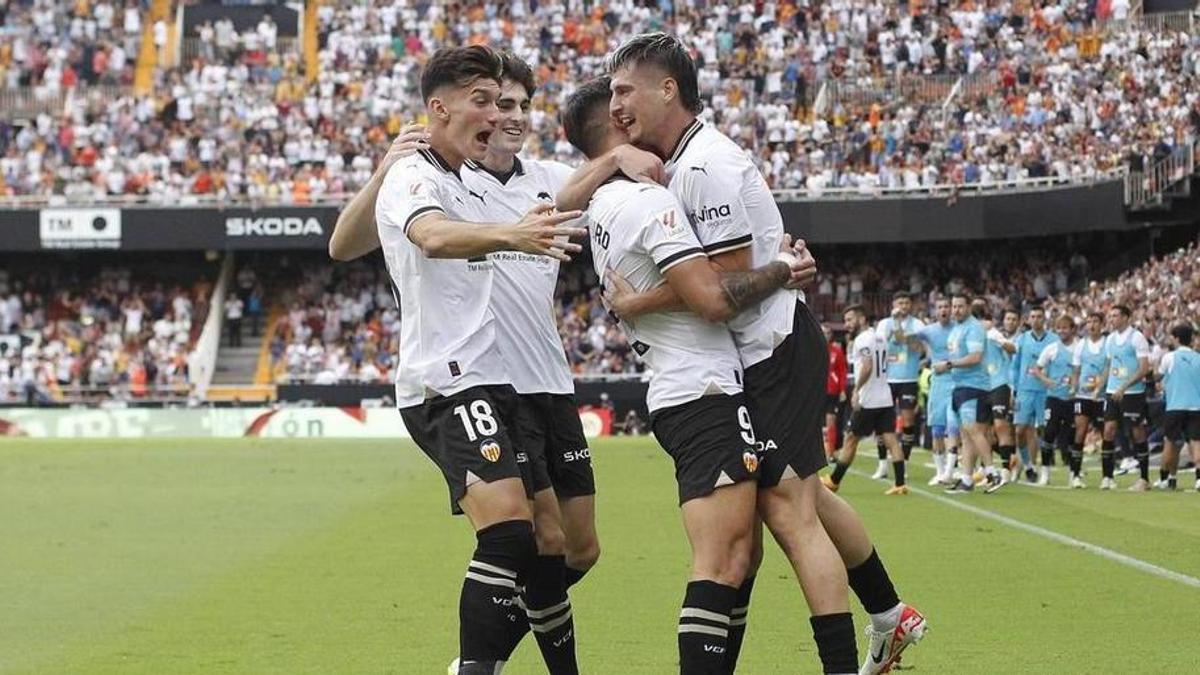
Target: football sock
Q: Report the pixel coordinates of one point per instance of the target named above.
(1163, 474)
(1047, 456)
(504, 553)
(1107, 460)
(737, 624)
(951, 460)
(872, 586)
(1143, 459)
(881, 450)
(1006, 453)
(1076, 458)
(839, 472)
(834, 635)
(549, 612)
(908, 438)
(898, 468)
(704, 627)
(939, 463)
(573, 576)
(1024, 453)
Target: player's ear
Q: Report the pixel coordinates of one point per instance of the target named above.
(437, 109)
(670, 89)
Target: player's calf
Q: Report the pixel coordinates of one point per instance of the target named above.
(504, 554)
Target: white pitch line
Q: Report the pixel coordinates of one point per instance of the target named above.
(1107, 553)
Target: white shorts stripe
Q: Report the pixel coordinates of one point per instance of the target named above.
(551, 624)
(492, 568)
(740, 610)
(507, 583)
(738, 621)
(543, 613)
(695, 613)
(707, 630)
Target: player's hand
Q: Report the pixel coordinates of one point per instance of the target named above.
(854, 402)
(640, 165)
(617, 294)
(941, 367)
(798, 257)
(412, 137)
(1118, 395)
(542, 232)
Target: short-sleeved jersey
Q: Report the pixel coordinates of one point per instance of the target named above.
(1090, 359)
(997, 361)
(523, 286)
(447, 329)
(969, 337)
(905, 363)
(640, 232)
(1123, 351)
(1055, 362)
(871, 346)
(730, 206)
(937, 336)
(1181, 379)
(1029, 348)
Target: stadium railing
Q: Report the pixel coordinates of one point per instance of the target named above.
(1166, 177)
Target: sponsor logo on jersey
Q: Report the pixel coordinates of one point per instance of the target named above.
(750, 460)
(576, 455)
(271, 226)
(490, 450)
(711, 213)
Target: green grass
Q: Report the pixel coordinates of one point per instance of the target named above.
(262, 556)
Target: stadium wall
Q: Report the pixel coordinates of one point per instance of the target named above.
(916, 217)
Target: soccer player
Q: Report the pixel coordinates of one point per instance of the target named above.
(1031, 394)
(641, 236)
(655, 99)
(1054, 369)
(905, 366)
(835, 391)
(1128, 355)
(452, 383)
(998, 358)
(871, 402)
(934, 337)
(969, 400)
(1180, 370)
(1089, 363)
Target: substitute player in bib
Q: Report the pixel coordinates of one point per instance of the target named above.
(1054, 369)
(997, 358)
(1089, 363)
(655, 98)
(1180, 371)
(970, 399)
(934, 338)
(1030, 401)
(1128, 355)
(697, 406)
(904, 368)
(871, 401)
(451, 381)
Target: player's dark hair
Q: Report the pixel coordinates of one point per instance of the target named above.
(516, 69)
(979, 309)
(901, 295)
(1183, 334)
(667, 53)
(584, 117)
(961, 294)
(1012, 311)
(1124, 310)
(459, 66)
(1037, 308)
(856, 309)
(1096, 315)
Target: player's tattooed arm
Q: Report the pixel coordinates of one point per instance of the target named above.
(636, 164)
(355, 234)
(718, 296)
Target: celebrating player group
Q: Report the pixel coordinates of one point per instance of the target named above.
(689, 244)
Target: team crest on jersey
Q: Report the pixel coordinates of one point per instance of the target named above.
(750, 460)
(416, 188)
(670, 222)
(490, 450)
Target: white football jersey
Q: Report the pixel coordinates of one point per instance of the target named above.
(523, 287)
(876, 393)
(639, 231)
(447, 329)
(730, 206)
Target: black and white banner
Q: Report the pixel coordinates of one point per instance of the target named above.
(86, 228)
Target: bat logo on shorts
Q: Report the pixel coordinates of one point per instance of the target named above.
(490, 450)
(750, 460)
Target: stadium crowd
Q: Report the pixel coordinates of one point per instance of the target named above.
(1081, 95)
(116, 333)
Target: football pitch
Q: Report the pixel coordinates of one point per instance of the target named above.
(283, 556)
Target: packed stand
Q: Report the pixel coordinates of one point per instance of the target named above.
(238, 121)
(51, 46)
(108, 333)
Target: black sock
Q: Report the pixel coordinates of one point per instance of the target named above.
(573, 576)
(839, 472)
(834, 634)
(1143, 458)
(503, 557)
(1006, 453)
(898, 467)
(737, 624)
(872, 585)
(1064, 451)
(549, 611)
(908, 438)
(1163, 474)
(881, 450)
(1107, 462)
(1047, 456)
(1076, 458)
(704, 627)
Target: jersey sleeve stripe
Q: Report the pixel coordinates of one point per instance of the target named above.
(678, 257)
(729, 244)
(418, 213)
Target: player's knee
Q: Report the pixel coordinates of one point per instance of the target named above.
(549, 536)
(510, 545)
(583, 555)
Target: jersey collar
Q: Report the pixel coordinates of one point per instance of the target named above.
(437, 160)
(688, 134)
(518, 169)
